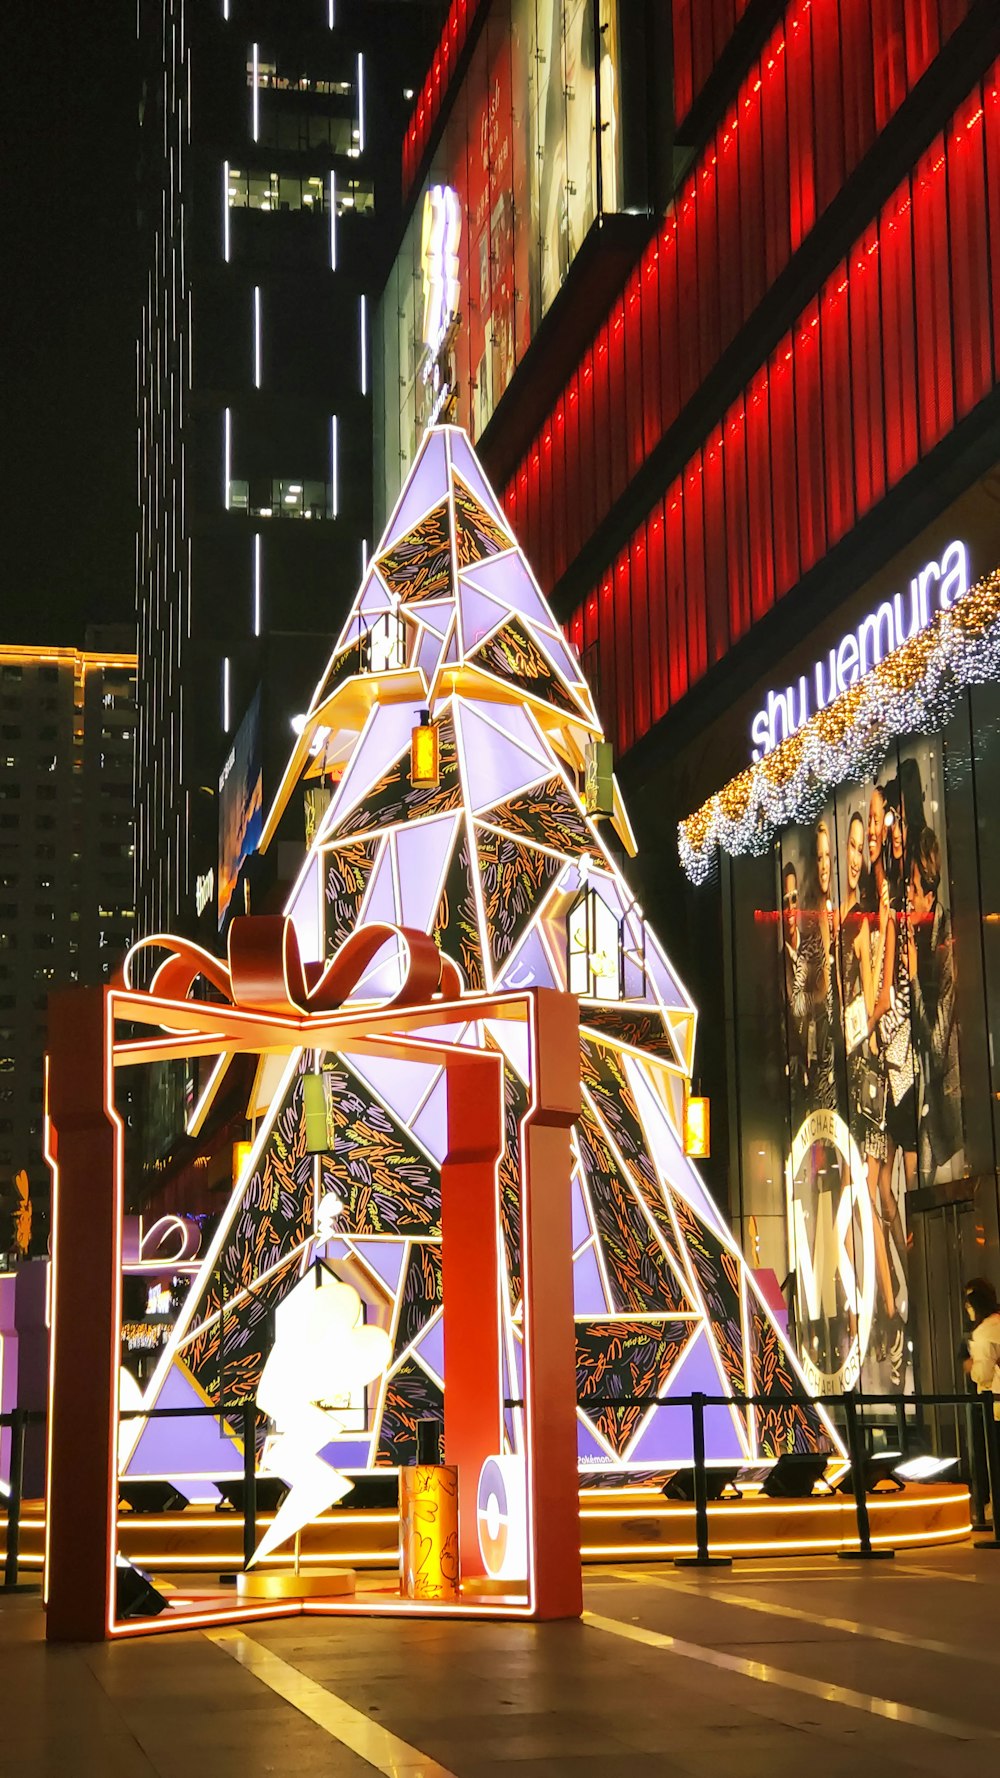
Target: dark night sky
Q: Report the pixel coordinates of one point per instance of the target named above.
(70, 287)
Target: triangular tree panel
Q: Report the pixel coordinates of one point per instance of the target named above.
(625, 1359)
(418, 564)
(640, 1274)
(546, 814)
(477, 533)
(515, 880)
(347, 870)
(513, 655)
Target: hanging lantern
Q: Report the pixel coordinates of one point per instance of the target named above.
(697, 1127)
(424, 753)
(598, 783)
(315, 1113)
(386, 644)
(594, 948)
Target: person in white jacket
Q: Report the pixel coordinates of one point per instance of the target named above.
(983, 1361)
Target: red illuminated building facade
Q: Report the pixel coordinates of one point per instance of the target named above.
(738, 382)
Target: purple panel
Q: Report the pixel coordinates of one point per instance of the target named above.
(451, 653)
(435, 615)
(588, 1290)
(529, 968)
(385, 1259)
(374, 597)
(381, 899)
(670, 990)
(429, 650)
(401, 1084)
(422, 850)
(385, 740)
(480, 614)
(305, 915)
(493, 768)
(171, 1447)
(426, 484)
(667, 1438)
(346, 1454)
(465, 461)
(431, 1347)
(514, 721)
(698, 1371)
(507, 579)
(582, 1230)
(431, 1127)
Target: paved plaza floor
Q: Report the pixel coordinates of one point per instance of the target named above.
(817, 1668)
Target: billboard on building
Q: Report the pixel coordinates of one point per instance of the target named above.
(241, 804)
(520, 153)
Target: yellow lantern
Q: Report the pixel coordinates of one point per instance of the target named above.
(697, 1131)
(424, 753)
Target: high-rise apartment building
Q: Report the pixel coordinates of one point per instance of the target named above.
(269, 174)
(67, 735)
(753, 453)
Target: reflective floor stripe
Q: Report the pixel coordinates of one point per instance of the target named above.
(890, 1708)
(853, 1626)
(382, 1750)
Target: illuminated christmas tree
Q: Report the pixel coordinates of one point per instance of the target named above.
(475, 829)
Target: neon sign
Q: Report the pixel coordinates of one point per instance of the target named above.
(936, 587)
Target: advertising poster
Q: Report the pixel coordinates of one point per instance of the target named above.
(864, 1023)
(241, 805)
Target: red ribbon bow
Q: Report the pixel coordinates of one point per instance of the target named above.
(265, 972)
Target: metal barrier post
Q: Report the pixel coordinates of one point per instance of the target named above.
(990, 1433)
(702, 1559)
(249, 1482)
(979, 1487)
(856, 1451)
(14, 1500)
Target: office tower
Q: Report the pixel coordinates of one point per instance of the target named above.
(270, 133)
(67, 732)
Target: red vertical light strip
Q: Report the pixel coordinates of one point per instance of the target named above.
(648, 396)
(758, 437)
(633, 385)
(617, 436)
(686, 328)
(889, 29)
(809, 439)
(838, 447)
(713, 491)
(784, 485)
(668, 327)
(991, 125)
(829, 121)
(707, 258)
(899, 361)
(774, 149)
(867, 400)
(656, 592)
(971, 291)
(857, 83)
(641, 694)
(737, 522)
(932, 284)
(677, 679)
(801, 146)
(683, 59)
(694, 570)
(621, 605)
(731, 301)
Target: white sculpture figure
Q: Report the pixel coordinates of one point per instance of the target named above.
(323, 1355)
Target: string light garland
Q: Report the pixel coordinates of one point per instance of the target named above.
(914, 690)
